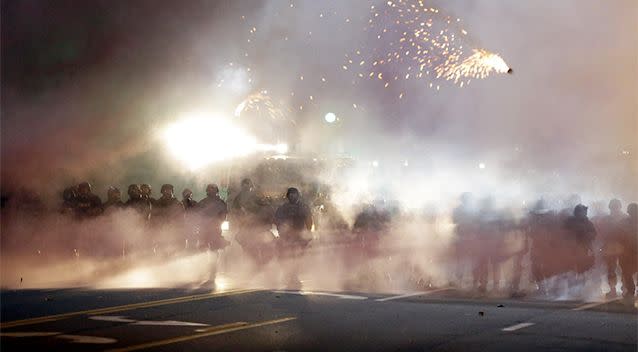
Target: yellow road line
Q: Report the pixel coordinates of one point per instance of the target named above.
(421, 293)
(218, 330)
(223, 326)
(596, 304)
(121, 308)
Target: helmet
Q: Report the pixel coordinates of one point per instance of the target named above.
(68, 194)
(145, 188)
(84, 187)
(212, 189)
(113, 192)
(580, 210)
(632, 210)
(540, 207)
(293, 195)
(187, 193)
(615, 204)
(133, 190)
(291, 190)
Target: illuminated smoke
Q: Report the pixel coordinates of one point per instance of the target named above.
(261, 104)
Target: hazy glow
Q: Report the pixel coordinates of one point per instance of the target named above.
(330, 117)
(199, 140)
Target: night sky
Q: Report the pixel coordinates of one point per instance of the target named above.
(86, 84)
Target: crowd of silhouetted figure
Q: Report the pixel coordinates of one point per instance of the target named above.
(540, 243)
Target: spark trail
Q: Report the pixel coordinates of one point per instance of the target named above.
(411, 40)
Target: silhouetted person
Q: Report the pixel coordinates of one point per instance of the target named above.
(87, 204)
(213, 211)
(167, 207)
(465, 228)
(628, 258)
(187, 200)
(69, 200)
(611, 231)
(191, 226)
(246, 200)
(137, 202)
(114, 199)
(373, 220)
(489, 235)
(293, 219)
(568, 206)
(146, 193)
(580, 235)
(540, 229)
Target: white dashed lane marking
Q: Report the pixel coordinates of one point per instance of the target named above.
(517, 326)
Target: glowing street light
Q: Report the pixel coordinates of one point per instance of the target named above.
(330, 117)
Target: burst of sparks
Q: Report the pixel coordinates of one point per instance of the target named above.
(478, 65)
(260, 103)
(414, 41)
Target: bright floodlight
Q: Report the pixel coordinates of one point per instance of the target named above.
(281, 148)
(199, 140)
(330, 117)
(481, 165)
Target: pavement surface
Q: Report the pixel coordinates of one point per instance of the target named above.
(290, 320)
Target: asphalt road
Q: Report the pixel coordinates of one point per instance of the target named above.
(270, 320)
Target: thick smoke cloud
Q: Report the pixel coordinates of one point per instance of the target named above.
(86, 87)
(96, 79)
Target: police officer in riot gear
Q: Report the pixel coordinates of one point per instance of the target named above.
(628, 259)
(114, 199)
(137, 202)
(146, 191)
(213, 211)
(611, 233)
(246, 200)
(293, 219)
(87, 204)
(167, 204)
(187, 200)
(578, 242)
(69, 200)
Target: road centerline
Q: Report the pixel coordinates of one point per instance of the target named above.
(316, 293)
(121, 308)
(412, 294)
(212, 331)
(595, 304)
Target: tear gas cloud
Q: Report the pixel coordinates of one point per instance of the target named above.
(90, 100)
